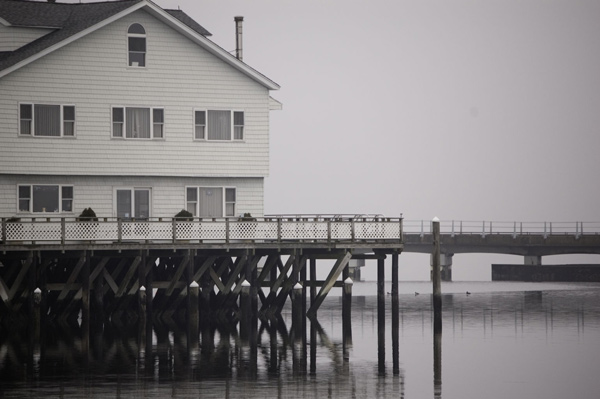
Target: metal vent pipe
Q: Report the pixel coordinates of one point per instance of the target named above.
(238, 38)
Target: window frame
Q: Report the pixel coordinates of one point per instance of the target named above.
(223, 204)
(232, 125)
(132, 191)
(124, 123)
(129, 51)
(60, 199)
(32, 131)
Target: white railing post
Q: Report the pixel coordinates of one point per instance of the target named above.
(452, 234)
(421, 227)
(461, 227)
(119, 230)
(545, 234)
(514, 230)
(352, 236)
(483, 229)
(279, 229)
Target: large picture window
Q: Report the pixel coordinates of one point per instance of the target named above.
(138, 123)
(218, 125)
(45, 198)
(211, 202)
(47, 120)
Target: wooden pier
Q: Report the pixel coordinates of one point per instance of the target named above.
(182, 269)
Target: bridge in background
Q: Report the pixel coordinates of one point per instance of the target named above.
(532, 240)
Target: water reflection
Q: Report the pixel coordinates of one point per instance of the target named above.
(324, 357)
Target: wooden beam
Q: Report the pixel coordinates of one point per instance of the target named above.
(335, 272)
(128, 276)
(22, 273)
(178, 273)
(208, 262)
(72, 278)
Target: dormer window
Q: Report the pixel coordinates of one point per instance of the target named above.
(136, 37)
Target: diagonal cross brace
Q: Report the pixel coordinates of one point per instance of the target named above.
(335, 272)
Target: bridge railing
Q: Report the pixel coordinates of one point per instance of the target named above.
(455, 227)
(222, 230)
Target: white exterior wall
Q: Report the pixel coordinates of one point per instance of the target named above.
(92, 74)
(167, 195)
(12, 38)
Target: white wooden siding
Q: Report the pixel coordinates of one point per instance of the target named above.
(12, 37)
(92, 74)
(167, 194)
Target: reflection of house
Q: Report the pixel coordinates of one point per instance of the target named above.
(129, 109)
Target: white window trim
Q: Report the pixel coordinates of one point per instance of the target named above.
(143, 35)
(224, 201)
(124, 137)
(132, 194)
(60, 199)
(206, 127)
(62, 121)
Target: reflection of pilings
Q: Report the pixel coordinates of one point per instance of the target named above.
(381, 316)
(437, 361)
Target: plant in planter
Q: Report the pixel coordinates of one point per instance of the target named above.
(247, 226)
(184, 216)
(186, 230)
(88, 224)
(87, 215)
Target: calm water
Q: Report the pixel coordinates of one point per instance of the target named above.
(504, 340)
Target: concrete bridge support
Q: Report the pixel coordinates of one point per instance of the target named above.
(445, 265)
(533, 260)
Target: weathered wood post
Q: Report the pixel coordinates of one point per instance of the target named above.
(381, 316)
(436, 275)
(297, 313)
(395, 317)
(142, 302)
(245, 310)
(193, 313)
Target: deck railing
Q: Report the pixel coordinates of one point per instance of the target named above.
(274, 229)
(483, 228)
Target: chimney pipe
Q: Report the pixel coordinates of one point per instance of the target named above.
(238, 38)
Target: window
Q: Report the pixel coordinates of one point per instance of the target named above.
(45, 198)
(218, 125)
(135, 123)
(133, 203)
(199, 125)
(211, 202)
(136, 41)
(47, 120)
(238, 125)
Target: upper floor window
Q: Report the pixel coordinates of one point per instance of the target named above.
(218, 125)
(47, 120)
(136, 42)
(45, 198)
(138, 123)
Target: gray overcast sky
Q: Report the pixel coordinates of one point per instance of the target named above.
(465, 110)
(472, 110)
(458, 109)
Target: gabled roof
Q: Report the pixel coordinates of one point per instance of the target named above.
(70, 21)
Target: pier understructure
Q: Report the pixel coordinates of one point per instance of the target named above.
(197, 270)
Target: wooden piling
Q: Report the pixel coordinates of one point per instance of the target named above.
(436, 275)
(347, 317)
(381, 316)
(395, 317)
